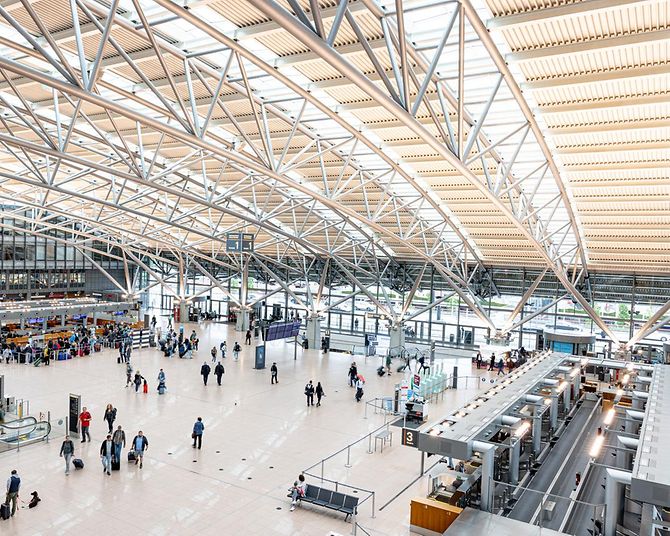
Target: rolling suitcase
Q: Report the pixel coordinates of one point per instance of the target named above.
(5, 512)
(131, 456)
(116, 464)
(78, 463)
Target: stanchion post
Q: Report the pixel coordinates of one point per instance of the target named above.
(373, 505)
(348, 464)
(322, 461)
(369, 443)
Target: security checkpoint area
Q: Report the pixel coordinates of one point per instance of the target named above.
(552, 447)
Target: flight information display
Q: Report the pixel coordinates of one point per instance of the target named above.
(282, 330)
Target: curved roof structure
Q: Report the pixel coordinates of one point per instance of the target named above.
(460, 134)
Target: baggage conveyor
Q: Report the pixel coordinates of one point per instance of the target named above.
(554, 481)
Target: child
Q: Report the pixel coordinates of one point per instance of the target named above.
(146, 387)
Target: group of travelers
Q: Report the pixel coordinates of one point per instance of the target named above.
(310, 391)
(514, 359)
(171, 343)
(110, 448)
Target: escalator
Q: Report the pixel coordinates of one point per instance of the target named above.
(24, 431)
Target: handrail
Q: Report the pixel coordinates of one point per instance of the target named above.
(380, 407)
(348, 464)
(323, 460)
(357, 526)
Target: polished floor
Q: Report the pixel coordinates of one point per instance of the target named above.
(258, 438)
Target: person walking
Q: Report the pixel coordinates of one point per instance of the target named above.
(138, 381)
(85, 422)
(13, 487)
(213, 352)
(319, 393)
(359, 389)
(273, 373)
(247, 339)
(161, 382)
(110, 417)
(224, 348)
(198, 429)
(236, 351)
(479, 360)
(129, 374)
(218, 372)
(204, 371)
(492, 363)
(421, 365)
(119, 440)
(501, 366)
(67, 451)
(353, 373)
(309, 392)
(140, 446)
(106, 453)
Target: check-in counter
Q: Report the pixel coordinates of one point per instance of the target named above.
(454, 487)
(431, 518)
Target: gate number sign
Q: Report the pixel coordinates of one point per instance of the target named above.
(409, 437)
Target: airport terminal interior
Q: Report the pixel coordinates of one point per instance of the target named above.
(333, 267)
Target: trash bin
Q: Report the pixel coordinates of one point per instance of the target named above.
(256, 331)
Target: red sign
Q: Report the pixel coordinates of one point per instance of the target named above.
(417, 380)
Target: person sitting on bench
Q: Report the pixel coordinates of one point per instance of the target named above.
(298, 491)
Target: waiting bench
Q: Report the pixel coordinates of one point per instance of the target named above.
(333, 500)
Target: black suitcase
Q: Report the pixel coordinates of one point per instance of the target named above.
(116, 464)
(78, 463)
(131, 456)
(5, 512)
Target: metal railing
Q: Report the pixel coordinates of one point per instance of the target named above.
(357, 526)
(338, 485)
(379, 408)
(347, 449)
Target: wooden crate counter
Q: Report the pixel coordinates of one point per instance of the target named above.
(429, 517)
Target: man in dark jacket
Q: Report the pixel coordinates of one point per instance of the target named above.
(106, 453)
(204, 371)
(218, 372)
(309, 392)
(198, 429)
(273, 373)
(13, 487)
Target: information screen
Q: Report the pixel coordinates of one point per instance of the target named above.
(74, 411)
